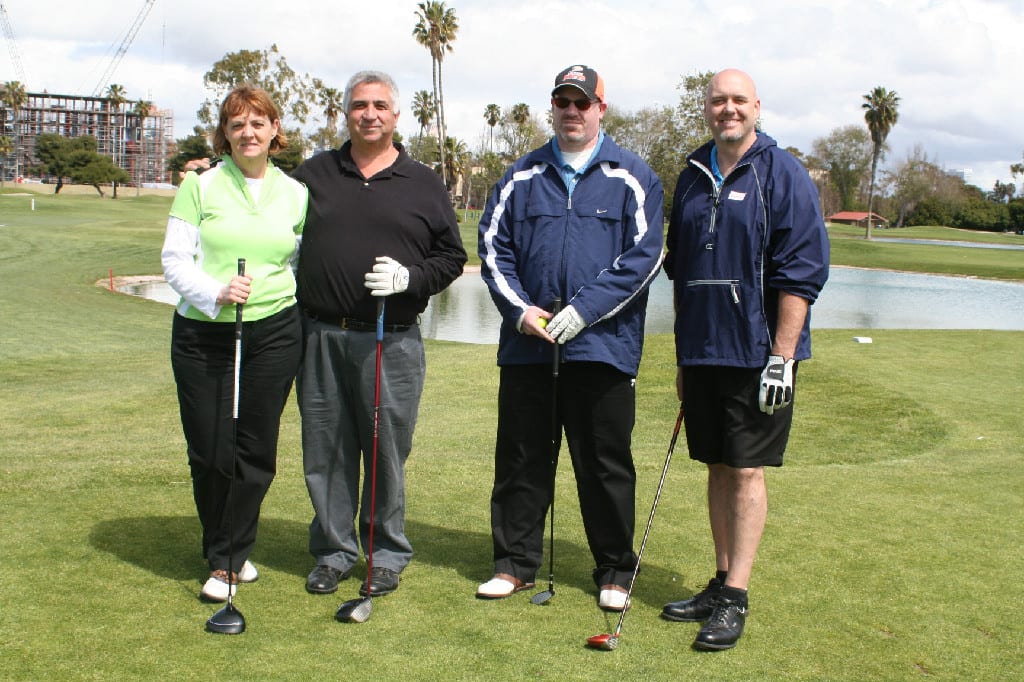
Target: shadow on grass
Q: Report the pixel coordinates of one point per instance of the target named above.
(168, 546)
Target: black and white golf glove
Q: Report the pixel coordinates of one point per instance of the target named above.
(776, 384)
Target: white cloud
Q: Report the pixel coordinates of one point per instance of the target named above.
(954, 63)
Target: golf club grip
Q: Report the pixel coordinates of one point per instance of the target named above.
(238, 308)
(556, 307)
(380, 319)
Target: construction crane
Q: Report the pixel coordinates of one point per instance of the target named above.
(12, 46)
(125, 44)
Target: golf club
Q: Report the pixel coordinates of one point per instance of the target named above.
(545, 596)
(229, 620)
(358, 610)
(608, 642)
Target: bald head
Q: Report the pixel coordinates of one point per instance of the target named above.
(731, 109)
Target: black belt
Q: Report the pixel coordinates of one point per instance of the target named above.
(354, 325)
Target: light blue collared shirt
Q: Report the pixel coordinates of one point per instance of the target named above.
(715, 170)
(569, 174)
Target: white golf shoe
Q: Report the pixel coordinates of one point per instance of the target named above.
(613, 598)
(216, 587)
(248, 574)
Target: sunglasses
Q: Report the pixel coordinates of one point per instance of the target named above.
(581, 104)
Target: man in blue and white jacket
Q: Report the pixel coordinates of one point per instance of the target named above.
(748, 254)
(576, 223)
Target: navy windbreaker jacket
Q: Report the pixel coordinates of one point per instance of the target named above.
(731, 250)
(598, 252)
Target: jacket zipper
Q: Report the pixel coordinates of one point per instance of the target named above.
(734, 286)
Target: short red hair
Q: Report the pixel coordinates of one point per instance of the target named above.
(243, 99)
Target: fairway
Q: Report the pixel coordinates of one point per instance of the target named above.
(893, 547)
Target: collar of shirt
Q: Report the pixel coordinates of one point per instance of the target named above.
(715, 170)
(570, 176)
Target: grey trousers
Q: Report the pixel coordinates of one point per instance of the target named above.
(335, 389)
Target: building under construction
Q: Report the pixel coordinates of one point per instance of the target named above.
(139, 145)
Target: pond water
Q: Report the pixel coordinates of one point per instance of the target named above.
(852, 299)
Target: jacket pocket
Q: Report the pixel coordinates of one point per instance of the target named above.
(714, 320)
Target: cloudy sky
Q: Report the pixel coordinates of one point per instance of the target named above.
(957, 65)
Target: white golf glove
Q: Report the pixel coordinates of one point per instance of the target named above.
(776, 385)
(387, 277)
(565, 325)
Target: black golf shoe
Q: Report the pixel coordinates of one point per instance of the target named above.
(724, 627)
(382, 581)
(324, 579)
(697, 608)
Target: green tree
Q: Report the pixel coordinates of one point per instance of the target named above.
(846, 155)
(492, 114)
(881, 111)
(289, 158)
(690, 111)
(982, 214)
(436, 26)
(1002, 192)
(14, 96)
(142, 110)
(519, 131)
(456, 159)
(6, 147)
(268, 69)
(1018, 169)
(1016, 215)
(330, 100)
(656, 135)
(90, 168)
(195, 146)
(76, 158)
(423, 109)
(913, 180)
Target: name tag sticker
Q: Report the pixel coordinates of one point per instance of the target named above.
(737, 196)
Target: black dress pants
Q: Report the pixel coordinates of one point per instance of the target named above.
(596, 408)
(202, 357)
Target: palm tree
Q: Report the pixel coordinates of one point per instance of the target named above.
(330, 99)
(423, 109)
(520, 113)
(492, 114)
(142, 109)
(6, 147)
(14, 96)
(455, 158)
(435, 30)
(880, 113)
(115, 99)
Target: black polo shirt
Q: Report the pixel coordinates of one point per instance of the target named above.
(402, 212)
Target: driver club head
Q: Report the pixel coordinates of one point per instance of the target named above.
(542, 597)
(603, 642)
(355, 610)
(227, 621)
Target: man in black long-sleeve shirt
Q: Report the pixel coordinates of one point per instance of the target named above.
(378, 224)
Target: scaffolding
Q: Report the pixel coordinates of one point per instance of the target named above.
(140, 146)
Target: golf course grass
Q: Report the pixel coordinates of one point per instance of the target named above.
(893, 549)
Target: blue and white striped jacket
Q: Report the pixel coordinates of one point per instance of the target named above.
(598, 252)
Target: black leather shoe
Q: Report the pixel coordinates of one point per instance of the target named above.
(724, 627)
(382, 581)
(324, 579)
(697, 608)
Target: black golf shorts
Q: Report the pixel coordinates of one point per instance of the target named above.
(724, 425)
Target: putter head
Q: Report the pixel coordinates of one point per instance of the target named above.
(542, 597)
(227, 621)
(355, 610)
(603, 642)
